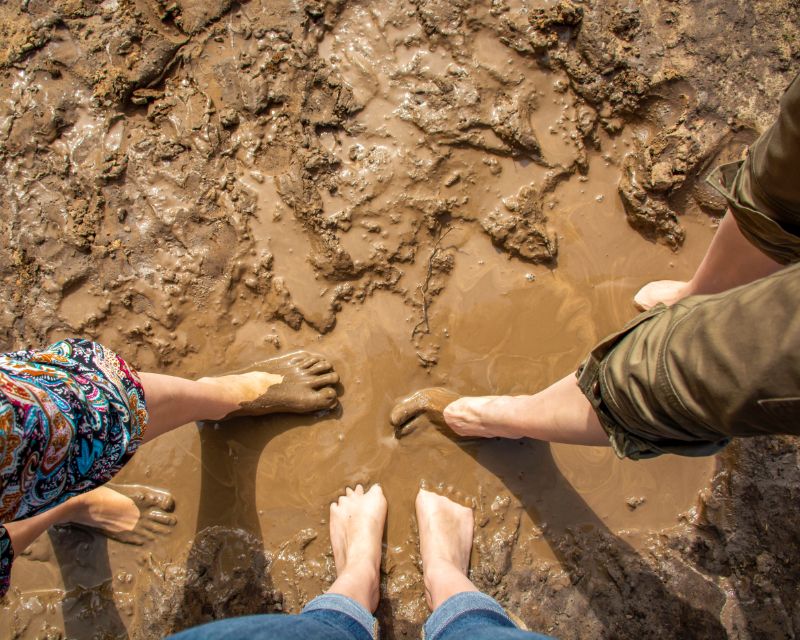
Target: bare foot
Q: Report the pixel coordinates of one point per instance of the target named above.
(357, 522)
(445, 543)
(129, 513)
(298, 382)
(429, 402)
(666, 291)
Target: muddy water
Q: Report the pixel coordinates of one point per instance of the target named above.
(503, 327)
(417, 185)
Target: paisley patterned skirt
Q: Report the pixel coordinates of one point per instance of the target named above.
(71, 416)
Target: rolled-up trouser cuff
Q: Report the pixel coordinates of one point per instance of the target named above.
(347, 606)
(625, 439)
(757, 222)
(763, 191)
(461, 604)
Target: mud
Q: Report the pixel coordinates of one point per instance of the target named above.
(299, 382)
(429, 193)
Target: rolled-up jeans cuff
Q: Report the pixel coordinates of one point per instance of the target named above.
(459, 605)
(347, 606)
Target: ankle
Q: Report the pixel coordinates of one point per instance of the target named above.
(74, 510)
(360, 583)
(218, 398)
(362, 570)
(443, 580)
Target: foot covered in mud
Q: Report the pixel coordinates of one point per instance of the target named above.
(665, 291)
(357, 520)
(129, 513)
(430, 402)
(445, 543)
(298, 382)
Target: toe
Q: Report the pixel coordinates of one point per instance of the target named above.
(297, 359)
(323, 366)
(329, 397)
(165, 502)
(406, 408)
(348, 492)
(155, 528)
(309, 362)
(325, 380)
(162, 518)
(359, 490)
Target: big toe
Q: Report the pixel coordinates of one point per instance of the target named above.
(160, 499)
(327, 398)
(407, 408)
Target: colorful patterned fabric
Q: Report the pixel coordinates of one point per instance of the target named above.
(71, 416)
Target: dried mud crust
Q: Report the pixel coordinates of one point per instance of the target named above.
(173, 171)
(149, 151)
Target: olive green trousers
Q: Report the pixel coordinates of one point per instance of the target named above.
(685, 379)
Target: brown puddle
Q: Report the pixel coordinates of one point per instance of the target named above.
(503, 327)
(406, 188)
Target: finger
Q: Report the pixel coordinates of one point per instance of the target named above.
(359, 490)
(348, 492)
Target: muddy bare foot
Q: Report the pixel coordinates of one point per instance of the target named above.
(666, 291)
(357, 521)
(129, 513)
(445, 543)
(298, 382)
(429, 402)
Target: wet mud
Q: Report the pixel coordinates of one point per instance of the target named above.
(429, 193)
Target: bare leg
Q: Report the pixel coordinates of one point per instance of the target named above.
(295, 383)
(445, 543)
(357, 521)
(133, 514)
(24, 532)
(559, 413)
(731, 260)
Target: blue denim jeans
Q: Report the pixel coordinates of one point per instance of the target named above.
(335, 617)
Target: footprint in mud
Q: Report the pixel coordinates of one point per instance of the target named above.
(129, 513)
(496, 536)
(298, 382)
(226, 574)
(422, 408)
